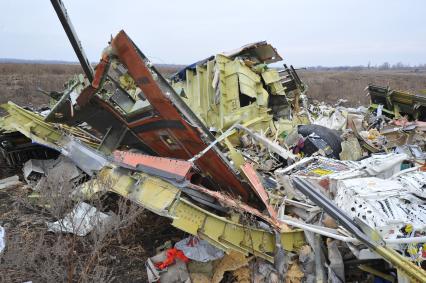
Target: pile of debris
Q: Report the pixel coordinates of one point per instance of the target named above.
(270, 186)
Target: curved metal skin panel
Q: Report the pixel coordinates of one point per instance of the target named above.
(167, 128)
(183, 142)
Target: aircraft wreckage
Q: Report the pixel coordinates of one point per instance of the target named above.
(234, 153)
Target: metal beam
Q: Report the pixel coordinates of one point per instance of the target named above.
(165, 199)
(73, 38)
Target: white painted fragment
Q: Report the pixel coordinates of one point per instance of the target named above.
(9, 182)
(81, 221)
(2, 239)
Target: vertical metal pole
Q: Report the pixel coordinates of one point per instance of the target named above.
(73, 38)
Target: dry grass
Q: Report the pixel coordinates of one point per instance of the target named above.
(19, 82)
(330, 86)
(115, 253)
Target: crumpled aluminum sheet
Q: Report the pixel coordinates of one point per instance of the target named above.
(331, 118)
(385, 204)
(80, 221)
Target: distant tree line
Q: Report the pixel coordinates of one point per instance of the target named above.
(384, 66)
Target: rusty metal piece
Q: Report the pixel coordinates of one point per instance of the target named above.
(160, 166)
(253, 178)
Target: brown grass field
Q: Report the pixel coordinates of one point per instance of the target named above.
(329, 86)
(19, 82)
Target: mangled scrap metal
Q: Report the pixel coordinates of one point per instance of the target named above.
(239, 87)
(232, 152)
(367, 236)
(158, 193)
(162, 127)
(126, 174)
(398, 103)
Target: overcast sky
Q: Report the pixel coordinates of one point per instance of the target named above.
(306, 33)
